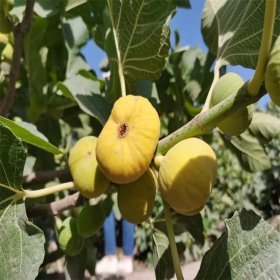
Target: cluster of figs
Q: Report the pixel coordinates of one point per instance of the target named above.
(124, 156)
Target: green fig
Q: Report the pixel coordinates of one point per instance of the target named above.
(68, 238)
(272, 73)
(238, 121)
(90, 220)
(88, 178)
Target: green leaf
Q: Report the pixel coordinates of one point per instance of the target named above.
(192, 224)
(161, 256)
(138, 41)
(250, 152)
(45, 8)
(86, 92)
(21, 242)
(35, 53)
(265, 125)
(28, 133)
(71, 4)
(249, 249)
(76, 34)
(232, 30)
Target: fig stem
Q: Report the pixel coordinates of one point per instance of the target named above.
(216, 78)
(172, 242)
(120, 66)
(48, 191)
(269, 16)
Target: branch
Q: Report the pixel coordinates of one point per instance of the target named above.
(56, 207)
(46, 176)
(205, 122)
(269, 19)
(19, 32)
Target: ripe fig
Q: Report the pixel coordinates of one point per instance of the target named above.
(272, 73)
(136, 199)
(186, 175)
(90, 220)
(238, 121)
(68, 238)
(127, 142)
(88, 178)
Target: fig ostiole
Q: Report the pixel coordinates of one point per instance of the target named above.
(87, 177)
(238, 121)
(136, 199)
(272, 73)
(127, 142)
(187, 174)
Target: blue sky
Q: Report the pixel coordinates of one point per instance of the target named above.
(187, 22)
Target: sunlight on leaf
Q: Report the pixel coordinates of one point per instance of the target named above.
(249, 249)
(232, 30)
(138, 41)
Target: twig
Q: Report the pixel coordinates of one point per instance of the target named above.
(46, 176)
(19, 33)
(55, 207)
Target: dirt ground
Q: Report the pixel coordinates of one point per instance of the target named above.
(189, 271)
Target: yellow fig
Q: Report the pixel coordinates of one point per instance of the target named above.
(127, 142)
(90, 220)
(136, 199)
(272, 73)
(70, 242)
(88, 178)
(238, 121)
(186, 175)
(7, 52)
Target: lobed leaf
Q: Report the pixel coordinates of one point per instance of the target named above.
(249, 249)
(138, 41)
(21, 242)
(232, 30)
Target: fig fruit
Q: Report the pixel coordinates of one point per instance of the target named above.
(68, 238)
(272, 73)
(186, 175)
(127, 142)
(88, 178)
(238, 121)
(136, 199)
(90, 220)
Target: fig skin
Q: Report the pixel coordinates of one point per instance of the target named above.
(127, 142)
(238, 121)
(88, 178)
(272, 73)
(186, 175)
(70, 242)
(90, 220)
(136, 199)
